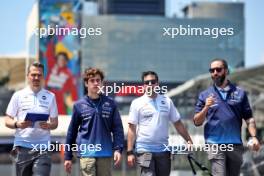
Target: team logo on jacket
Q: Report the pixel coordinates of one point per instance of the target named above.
(106, 104)
(106, 110)
(235, 96)
(163, 104)
(106, 107)
(44, 97)
(148, 115)
(84, 106)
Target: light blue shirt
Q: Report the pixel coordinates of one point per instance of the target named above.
(152, 117)
(223, 91)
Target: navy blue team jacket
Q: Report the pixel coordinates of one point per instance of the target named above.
(224, 119)
(95, 128)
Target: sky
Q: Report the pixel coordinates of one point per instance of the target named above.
(14, 14)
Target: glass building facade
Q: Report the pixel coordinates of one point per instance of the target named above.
(132, 44)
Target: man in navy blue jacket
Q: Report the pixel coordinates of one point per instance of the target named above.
(223, 106)
(95, 120)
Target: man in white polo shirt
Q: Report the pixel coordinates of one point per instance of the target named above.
(30, 135)
(148, 120)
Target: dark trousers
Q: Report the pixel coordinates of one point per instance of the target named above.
(32, 163)
(160, 164)
(226, 163)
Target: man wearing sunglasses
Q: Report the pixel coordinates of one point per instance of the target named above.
(148, 120)
(223, 106)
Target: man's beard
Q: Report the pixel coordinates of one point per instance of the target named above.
(219, 80)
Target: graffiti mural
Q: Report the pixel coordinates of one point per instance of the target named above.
(59, 50)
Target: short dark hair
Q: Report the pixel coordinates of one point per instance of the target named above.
(91, 72)
(220, 60)
(65, 55)
(146, 73)
(35, 64)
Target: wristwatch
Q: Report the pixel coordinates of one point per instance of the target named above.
(130, 152)
(254, 137)
(15, 125)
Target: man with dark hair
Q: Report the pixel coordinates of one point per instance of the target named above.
(223, 106)
(144, 74)
(29, 136)
(148, 120)
(95, 120)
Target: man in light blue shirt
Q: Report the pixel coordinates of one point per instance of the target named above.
(148, 120)
(30, 136)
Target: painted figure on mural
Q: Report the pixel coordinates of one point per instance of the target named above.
(62, 83)
(59, 53)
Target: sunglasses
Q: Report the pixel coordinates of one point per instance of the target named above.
(150, 82)
(217, 69)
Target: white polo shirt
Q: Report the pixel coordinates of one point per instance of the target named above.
(26, 101)
(152, 118)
